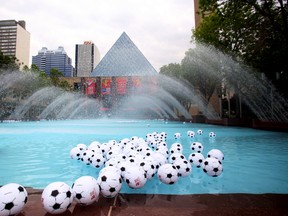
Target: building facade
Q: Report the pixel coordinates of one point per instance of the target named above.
(15, 40)
(87, 56)
(57, 59)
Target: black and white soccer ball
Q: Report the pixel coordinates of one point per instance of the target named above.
(216, 153)
(176, 156)
(149, 167)
(57, 197)
(176, 148)
(110, 183)
(212, 167)
(13, 198)
(177, 135)
(75, 153)
(85, 190)
(191, 134)
(97, 160)
(212, 134)
(199, 132)
(135, 177)
(196, 159)
(167, 174)
(196, 147)
(184, 167)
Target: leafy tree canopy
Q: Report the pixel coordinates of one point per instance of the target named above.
(256, 31)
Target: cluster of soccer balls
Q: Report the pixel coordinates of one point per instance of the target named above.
(132, 161)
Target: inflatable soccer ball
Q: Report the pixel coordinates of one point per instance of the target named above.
(191, 134)
(13, 198)
(176, 156)
(149, 167)
(196, 159)
(216, 153)
(184, 167)
(57, 197)
(196, 147)
(212, 167)
(97, 160)
(85, 190)
(110, 183)
(135, 177)
(176, 148)
(75, 153)
(167, 174)
(177, 135)
(212, 135)
(82, 146)
(199, 132)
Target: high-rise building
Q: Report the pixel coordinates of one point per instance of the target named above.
(87, 56)
(15, 40)
(57, 59)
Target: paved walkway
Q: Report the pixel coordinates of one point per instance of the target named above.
(158, 205)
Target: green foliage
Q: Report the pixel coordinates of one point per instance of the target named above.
(7, 62)
(255, 31)
(171, 70)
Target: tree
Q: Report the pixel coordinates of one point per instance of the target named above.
(171, 70)
(255, 31)
(8, 62)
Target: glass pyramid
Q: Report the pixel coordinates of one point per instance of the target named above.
(124, 59)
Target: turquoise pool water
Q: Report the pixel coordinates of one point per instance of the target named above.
(37, 153)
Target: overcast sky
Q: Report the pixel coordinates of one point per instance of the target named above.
(161, 29)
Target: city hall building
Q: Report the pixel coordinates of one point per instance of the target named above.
(122, 72)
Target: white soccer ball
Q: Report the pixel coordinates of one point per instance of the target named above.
(148, 167)
(94, 145)
(216, 153)
(13, 198)
(177, 135)
(196, 159)
(86, 156)
(176, 156)
(199, 132)
(212, 134)
(196, 147)
(85, 190)
(97, 160)
(212, 167)
(115, 150)
(75, 153)
(167, 174)
(81, 146)
(135, 177)
(57, 197)
(158, 159)
(110, 183)
(176, 148)
(191, 134)
(184, 167)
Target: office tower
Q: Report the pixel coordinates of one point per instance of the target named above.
(57, 59)
(87, 56)
(15, 40)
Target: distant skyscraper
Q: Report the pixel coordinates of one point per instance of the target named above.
(58, 59)
(87, 56)
(15, 40)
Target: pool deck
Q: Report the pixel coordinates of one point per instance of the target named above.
(152, 205)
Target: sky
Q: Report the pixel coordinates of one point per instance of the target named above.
(161, 29)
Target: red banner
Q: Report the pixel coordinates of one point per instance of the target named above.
(136, 84)
(121, 85)
(105, 86)
(90, 87)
